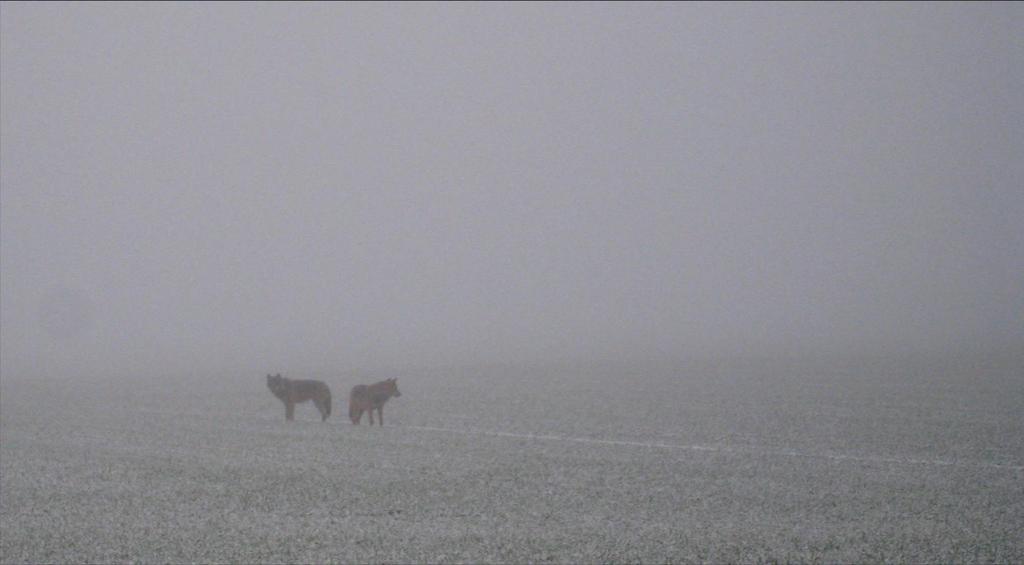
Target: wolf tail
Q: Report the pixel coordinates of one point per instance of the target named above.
(355, 410)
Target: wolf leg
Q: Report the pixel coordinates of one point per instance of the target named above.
(289, 411)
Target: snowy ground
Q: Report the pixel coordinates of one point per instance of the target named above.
(519, 466)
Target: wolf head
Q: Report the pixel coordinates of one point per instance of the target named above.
(276, 383)
(393, 387)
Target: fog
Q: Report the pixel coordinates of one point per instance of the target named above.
(203, 188)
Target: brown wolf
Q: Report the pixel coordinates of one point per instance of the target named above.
(292, 392)
(371, 397)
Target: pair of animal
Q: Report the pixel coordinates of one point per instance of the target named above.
(363, 398)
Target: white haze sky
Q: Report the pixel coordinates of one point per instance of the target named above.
(206, 187)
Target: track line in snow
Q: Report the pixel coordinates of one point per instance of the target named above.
(724, 449)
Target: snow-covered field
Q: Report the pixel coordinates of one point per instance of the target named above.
(696, 464)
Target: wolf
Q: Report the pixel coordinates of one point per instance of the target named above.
(371, 397)
(292, 392)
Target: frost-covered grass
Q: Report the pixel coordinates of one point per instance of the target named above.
(470, 468)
